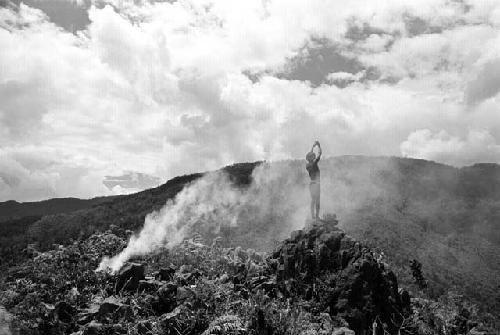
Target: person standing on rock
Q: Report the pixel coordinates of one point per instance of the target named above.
(314, 174)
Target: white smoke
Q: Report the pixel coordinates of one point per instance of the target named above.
(213, 201)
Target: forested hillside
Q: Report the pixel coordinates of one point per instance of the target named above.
(444, 217)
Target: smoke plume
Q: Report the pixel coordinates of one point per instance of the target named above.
(276, 199)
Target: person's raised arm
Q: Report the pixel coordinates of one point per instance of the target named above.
(319, 150)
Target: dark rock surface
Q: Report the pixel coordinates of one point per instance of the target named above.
(129, 277)
(323, 263)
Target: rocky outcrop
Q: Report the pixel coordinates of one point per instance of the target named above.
(129, 277)
(322, 263)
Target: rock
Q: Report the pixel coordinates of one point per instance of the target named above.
(343, 331)
(166, 301)
(94, 328)
(64, 312)
(332, 239)
(109, 306)
(129, 277)
(115, 309)
(165, 274)
(150, 285)
(359, 288)
(406, 302)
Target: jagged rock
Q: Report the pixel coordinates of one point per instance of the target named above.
(360, 288)
(129, 277)
(165, 274)
(109, 306)
(113, 307)
(64, 312)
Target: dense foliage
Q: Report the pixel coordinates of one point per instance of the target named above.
(197, 288)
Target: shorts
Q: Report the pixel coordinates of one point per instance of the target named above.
(315, 190)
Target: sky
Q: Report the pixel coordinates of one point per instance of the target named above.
(113, 96)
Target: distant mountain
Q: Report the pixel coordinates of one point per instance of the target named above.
(12, 209)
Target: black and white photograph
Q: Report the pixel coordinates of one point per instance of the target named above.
(249, 167)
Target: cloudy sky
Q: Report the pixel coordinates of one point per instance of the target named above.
(110, 96)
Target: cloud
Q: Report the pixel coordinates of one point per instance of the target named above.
(131, 180)
(485, 85)
(167, 88)
(476, 146)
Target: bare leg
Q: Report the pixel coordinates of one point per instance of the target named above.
(317, 209)
(312, 209)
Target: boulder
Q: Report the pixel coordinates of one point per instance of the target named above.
(109, 306)
(360, 288)
(64, 312)
(165, 274)
(129, 277)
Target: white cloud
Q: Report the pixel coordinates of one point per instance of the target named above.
(476, 146)
(158, 87)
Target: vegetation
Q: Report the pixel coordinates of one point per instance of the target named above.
(443, 217)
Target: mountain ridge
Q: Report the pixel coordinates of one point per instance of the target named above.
(445, 217)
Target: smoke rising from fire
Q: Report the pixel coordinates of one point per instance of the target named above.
(276, 197)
